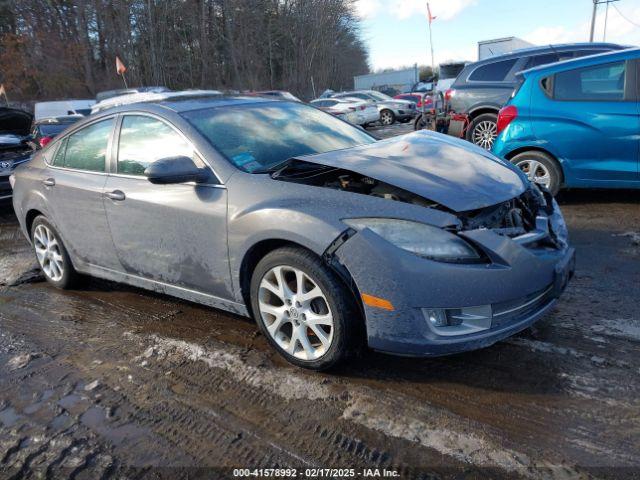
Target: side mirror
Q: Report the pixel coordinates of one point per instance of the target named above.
(174, 170)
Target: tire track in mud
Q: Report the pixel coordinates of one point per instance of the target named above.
(451, 437)
(282, 383)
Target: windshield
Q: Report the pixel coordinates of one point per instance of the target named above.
(380, 96)
(256, 137)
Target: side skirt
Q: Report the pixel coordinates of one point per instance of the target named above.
(160, 287)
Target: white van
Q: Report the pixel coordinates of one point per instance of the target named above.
(61, 108)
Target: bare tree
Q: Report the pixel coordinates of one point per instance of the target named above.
(64, 48)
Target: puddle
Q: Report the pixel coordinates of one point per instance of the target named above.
(96, 419)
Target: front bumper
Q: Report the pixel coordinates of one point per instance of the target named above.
(517, 286)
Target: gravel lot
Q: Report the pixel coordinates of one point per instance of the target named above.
(110, 381)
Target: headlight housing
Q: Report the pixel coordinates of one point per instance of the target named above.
(418, 238)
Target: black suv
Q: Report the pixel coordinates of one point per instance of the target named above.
(482, 88)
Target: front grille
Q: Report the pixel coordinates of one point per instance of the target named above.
(5, 187)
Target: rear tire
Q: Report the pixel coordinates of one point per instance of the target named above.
(303, 309)
(541, 169)
(483, 130)
(387, 117)
(51, 254)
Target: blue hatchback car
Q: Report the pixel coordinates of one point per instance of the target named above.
(576, 123)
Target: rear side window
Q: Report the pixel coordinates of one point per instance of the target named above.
(493, 72)
(599, 83)
(143, 140)
(538, 60)
(58, 160)
(87, 148)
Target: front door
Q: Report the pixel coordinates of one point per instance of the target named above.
(174, 234)
(74, 184)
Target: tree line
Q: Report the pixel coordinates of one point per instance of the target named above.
(52, 49)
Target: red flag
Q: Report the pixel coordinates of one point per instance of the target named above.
(120, 68)
(431, 17)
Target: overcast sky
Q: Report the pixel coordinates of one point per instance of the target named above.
(396, 31)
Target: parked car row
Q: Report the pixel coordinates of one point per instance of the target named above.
(368, 106)
(353, 110)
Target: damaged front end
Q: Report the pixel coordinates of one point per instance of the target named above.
(531, 218)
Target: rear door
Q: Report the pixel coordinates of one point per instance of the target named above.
(174, 234)
(74, 184)
(594, 122)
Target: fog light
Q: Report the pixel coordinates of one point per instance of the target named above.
(437, 318)
(458, 321)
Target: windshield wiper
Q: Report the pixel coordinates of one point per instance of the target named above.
(275, 169)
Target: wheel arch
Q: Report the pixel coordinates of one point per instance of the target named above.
(493, 109)
(29, 218)
(260, 249)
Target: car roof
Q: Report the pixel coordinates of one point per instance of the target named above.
(177, 101)
(585, 61)
(563, 47)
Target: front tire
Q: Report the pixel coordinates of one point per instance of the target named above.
(540, 168)
(307, 314)
(483, 130)
(51, 254)
(387, 117)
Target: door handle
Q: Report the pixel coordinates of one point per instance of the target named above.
(49, 182)
(116, 195)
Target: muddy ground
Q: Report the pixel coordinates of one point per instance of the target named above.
(108, 381)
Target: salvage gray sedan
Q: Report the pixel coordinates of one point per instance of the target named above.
(418, 245)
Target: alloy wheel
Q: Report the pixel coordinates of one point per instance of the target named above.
(536, 172)
(295, 312)
(484, 134)
(48, 253)
(386, 118)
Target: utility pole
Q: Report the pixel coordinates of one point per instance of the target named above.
(593, 16)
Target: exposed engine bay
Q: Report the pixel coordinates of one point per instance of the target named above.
(512, 218)
(348, 181)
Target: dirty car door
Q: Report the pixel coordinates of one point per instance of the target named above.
(176, 233)
(73, 185)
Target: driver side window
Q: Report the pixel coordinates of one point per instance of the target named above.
(144, 140)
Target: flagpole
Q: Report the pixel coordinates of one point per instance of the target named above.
(125, 81)
(433, 64)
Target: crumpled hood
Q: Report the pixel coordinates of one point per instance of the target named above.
(451, 172)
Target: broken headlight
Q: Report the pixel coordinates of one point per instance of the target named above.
(418, 238)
